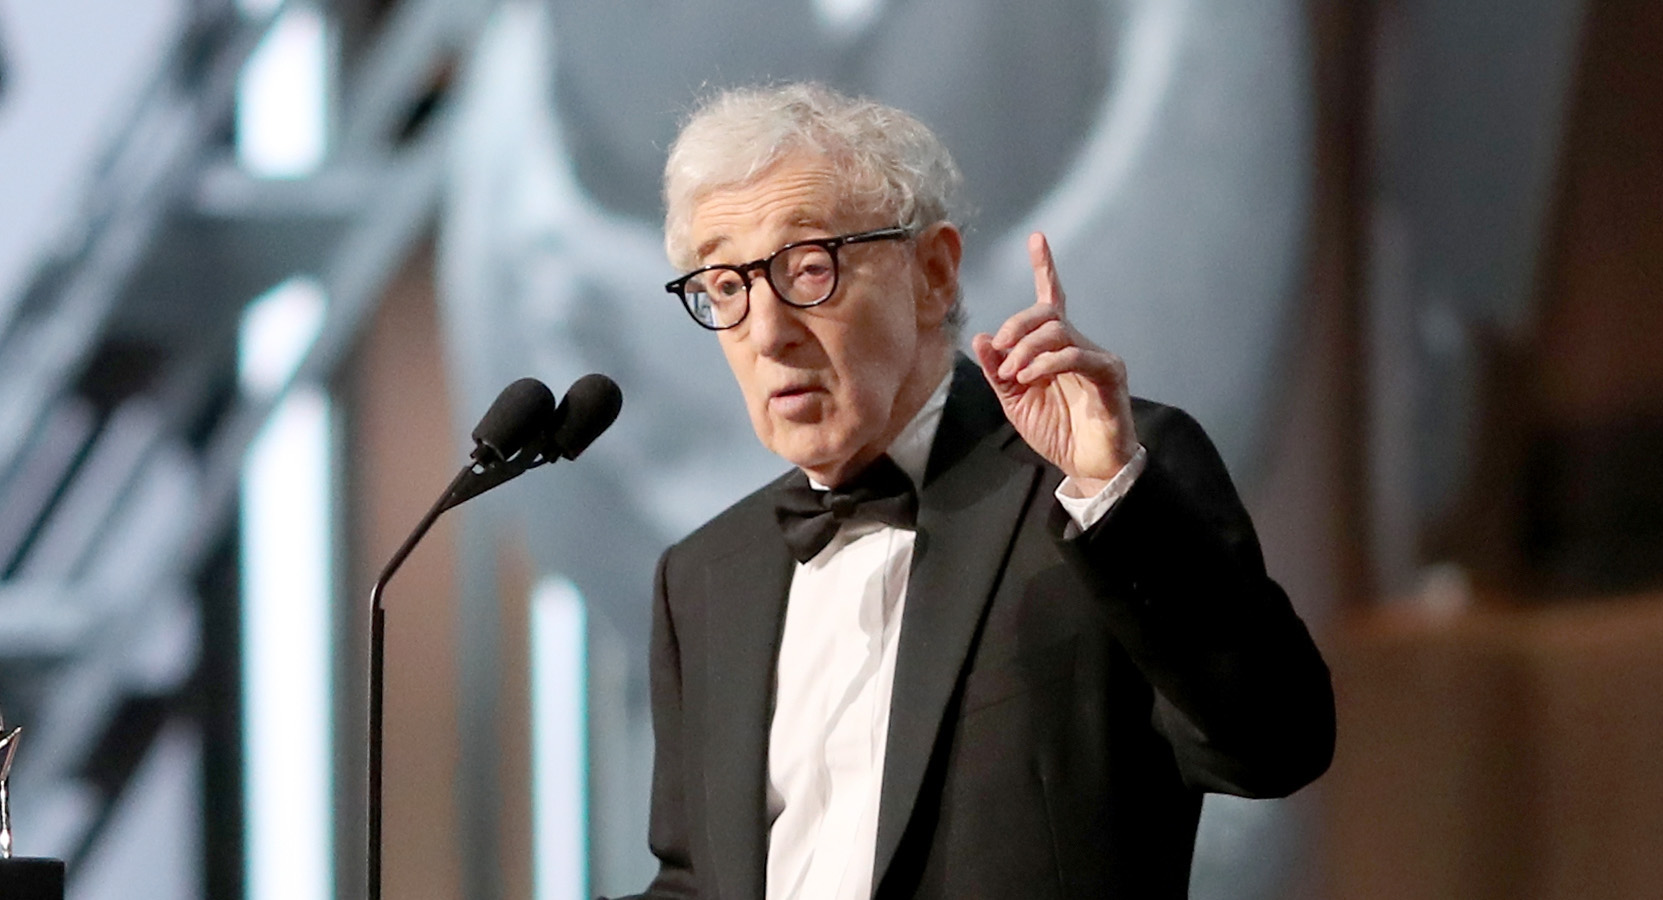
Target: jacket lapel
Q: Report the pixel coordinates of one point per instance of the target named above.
(980, 479)
(745, 614)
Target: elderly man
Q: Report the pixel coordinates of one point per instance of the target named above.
(1003, 623)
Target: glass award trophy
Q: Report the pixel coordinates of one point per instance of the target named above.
(21, 878)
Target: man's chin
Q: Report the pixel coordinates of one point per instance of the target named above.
(810, 451)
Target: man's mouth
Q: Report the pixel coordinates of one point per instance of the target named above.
(795, 401)
(793, 390)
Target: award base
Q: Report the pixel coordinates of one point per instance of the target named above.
(31, 879)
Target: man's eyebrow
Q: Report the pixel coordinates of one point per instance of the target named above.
(803, 218)
(703, 251)
(809, 219)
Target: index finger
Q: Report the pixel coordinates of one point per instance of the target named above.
(1047, 287)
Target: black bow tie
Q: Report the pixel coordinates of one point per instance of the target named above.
(809, 518)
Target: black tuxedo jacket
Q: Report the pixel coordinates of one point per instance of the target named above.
(1061, 700)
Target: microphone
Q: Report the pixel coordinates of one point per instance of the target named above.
(590, 407)
(520, 414)
(523, 429)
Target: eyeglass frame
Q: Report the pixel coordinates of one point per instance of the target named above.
(766, 264)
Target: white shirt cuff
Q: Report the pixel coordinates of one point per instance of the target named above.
(1088, 511)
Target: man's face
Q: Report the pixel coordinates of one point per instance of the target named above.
(827, 387)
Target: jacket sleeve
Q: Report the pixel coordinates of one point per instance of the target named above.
(1242, 693)
(667, 831)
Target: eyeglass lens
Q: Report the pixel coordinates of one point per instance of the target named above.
(801, 276)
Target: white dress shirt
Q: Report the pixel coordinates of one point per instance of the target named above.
(833, 684)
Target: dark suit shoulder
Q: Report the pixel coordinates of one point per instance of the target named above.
(1181, 449)
(1158, 422)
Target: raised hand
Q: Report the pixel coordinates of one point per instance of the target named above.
(1065, 395)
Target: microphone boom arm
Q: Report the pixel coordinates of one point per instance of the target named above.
(475, 478)
(522, 430)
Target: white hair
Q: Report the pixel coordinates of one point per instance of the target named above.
(887, 160)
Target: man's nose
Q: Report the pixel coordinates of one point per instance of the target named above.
(774, 324)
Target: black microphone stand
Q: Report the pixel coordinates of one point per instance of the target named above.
(522, 430)
(486, 472)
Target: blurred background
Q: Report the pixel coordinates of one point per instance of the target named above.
(263, 264)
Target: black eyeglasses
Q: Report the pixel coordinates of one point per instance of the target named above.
(802, 274)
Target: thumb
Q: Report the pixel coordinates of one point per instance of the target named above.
(987, 357)
(990, 359)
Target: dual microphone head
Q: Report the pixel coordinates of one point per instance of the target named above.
(525, 428)
(525, 424)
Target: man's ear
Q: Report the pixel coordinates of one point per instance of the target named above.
(939, 247)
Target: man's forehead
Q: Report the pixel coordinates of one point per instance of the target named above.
(798, 194)
(781, 228)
